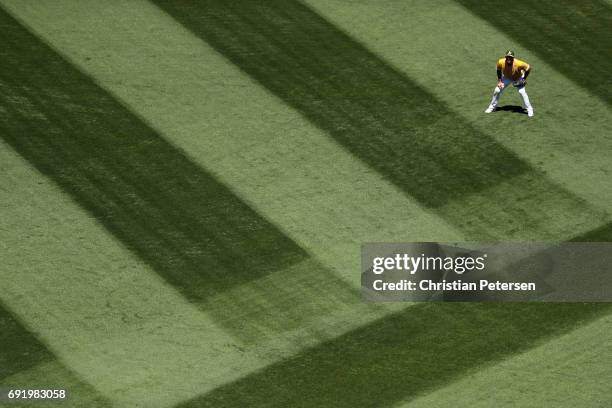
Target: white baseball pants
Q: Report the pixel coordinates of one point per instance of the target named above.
(521, 90)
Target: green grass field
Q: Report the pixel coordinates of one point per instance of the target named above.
(186, 185)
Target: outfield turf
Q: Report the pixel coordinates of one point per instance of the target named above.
(185, 187)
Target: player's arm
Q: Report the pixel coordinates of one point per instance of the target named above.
(500, 83)
(526, 71)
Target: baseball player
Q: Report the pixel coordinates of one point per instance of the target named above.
(513, 71)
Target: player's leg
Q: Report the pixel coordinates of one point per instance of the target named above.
(496, 95)
(523, 92)
(494, 99)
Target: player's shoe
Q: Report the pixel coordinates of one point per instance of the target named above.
(530, 112)
(490, 109)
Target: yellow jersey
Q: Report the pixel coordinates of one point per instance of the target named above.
(514, 71)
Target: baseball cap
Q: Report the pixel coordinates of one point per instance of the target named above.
(510, 53)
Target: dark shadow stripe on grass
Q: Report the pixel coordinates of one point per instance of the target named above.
(21, 351)
(386, 120)
(406, 354)
(400, 357)
(177, 217)
(379, 115)
(574, 37)
(601, 234)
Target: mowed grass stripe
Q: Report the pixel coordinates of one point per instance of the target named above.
(572, 370)
(403, 356)
(386, 120)
(54, 375)
(189, 227)
(170, 337)
(21, 352)
(100, 309)
(19, 349)
(574, 37)
(376, 113)
(601, 234)
(255, 388)
(435, 43)
(565, 144)
(107, 316)
(320, 195)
